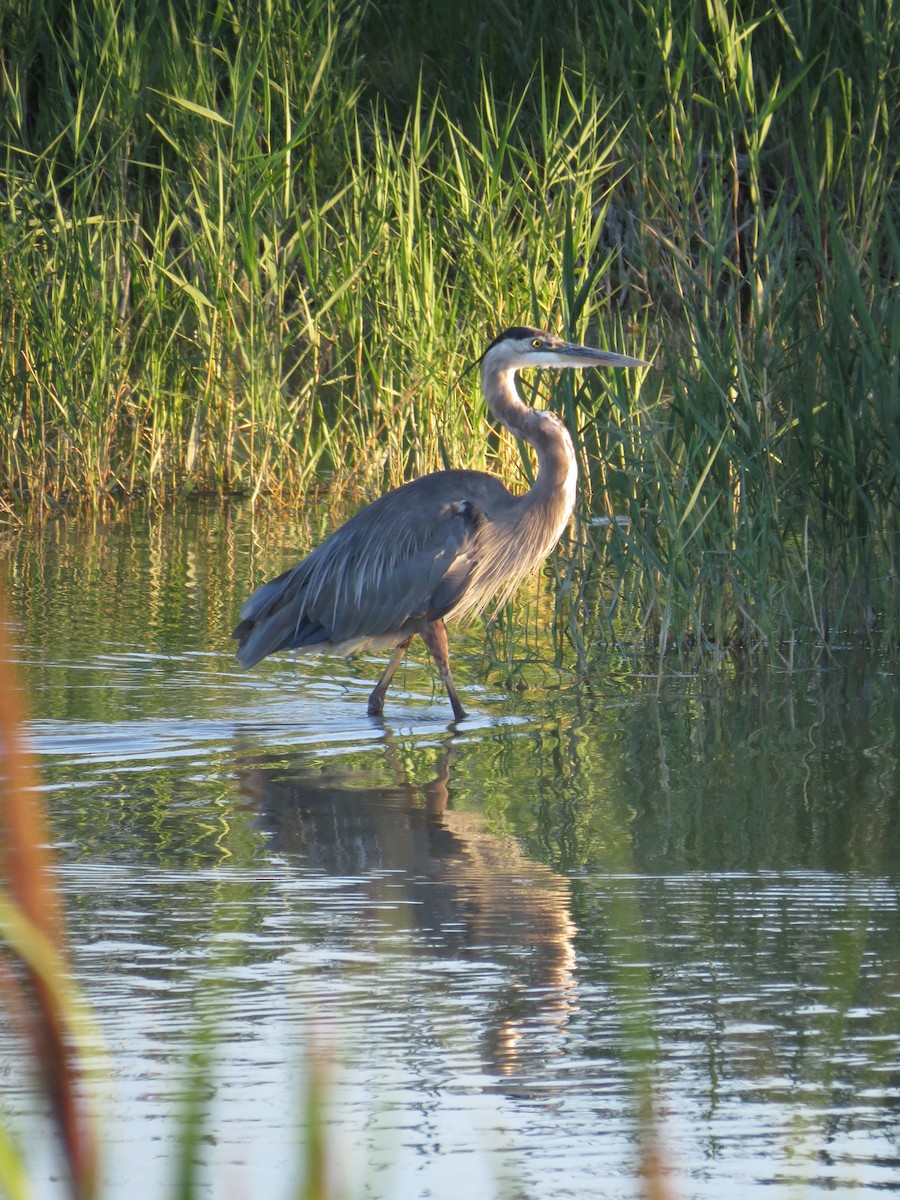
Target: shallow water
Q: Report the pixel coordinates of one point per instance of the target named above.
(490, 946)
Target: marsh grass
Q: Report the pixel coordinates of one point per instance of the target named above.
(252, 250)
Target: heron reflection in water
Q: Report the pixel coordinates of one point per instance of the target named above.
(470, 895)
(439, 547)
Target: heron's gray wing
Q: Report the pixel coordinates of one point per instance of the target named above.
(391, 565)
(407, 557)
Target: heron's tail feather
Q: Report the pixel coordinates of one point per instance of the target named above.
(273, 619)
(280, 631)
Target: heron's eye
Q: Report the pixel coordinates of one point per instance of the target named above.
(536, 343)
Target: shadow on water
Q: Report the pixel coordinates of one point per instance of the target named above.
(468, 893)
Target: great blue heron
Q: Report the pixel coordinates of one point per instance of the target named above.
(438, 547)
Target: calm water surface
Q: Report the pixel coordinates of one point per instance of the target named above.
(487, 945)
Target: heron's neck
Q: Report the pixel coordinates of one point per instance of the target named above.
(554, 486)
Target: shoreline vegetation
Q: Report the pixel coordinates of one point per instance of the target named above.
(249, 250)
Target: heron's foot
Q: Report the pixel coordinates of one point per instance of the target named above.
(435, 637)
(376, 700)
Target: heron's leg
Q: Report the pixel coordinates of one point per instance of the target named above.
(376, 700)
(435, 637)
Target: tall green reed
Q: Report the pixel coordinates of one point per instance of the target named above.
(253, 251)
(762, 511)
(154, 244)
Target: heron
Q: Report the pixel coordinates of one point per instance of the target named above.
(439, 547)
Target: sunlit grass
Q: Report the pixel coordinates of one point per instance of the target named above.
(253, 252)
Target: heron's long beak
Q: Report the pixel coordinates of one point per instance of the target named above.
(570, 354)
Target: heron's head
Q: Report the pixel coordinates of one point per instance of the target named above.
(521, 347)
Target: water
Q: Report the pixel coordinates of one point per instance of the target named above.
(488, 948)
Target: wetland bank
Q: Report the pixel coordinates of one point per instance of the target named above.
(634, 924)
